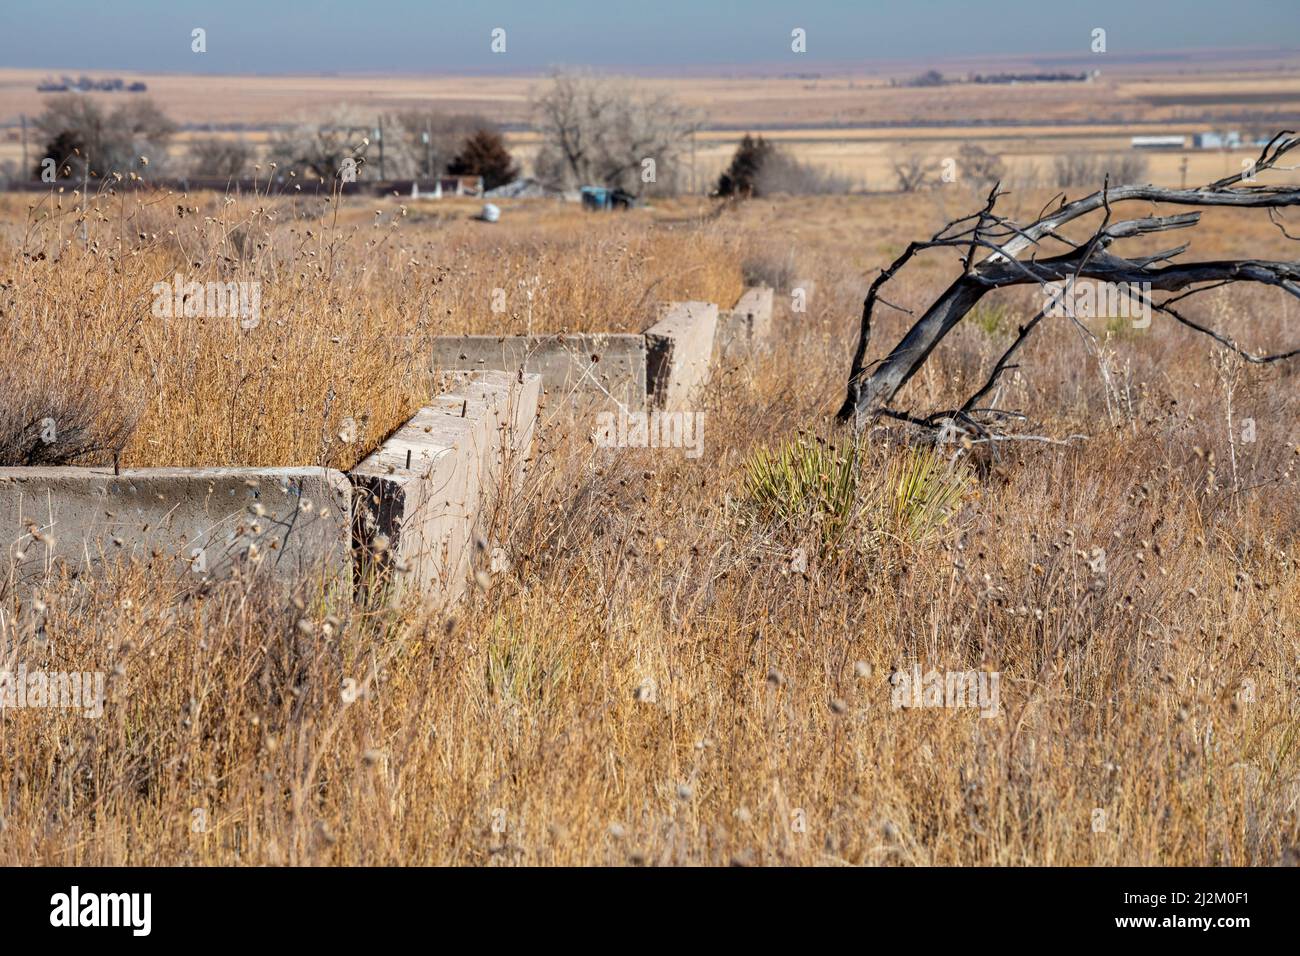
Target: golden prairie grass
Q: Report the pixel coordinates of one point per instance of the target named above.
(349, 299)
(658, 679)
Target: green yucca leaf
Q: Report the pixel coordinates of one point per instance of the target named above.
(926, 491)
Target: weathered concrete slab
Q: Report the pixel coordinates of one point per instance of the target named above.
(512, 403)
(288, 522)
(421, 497)
(606, 368)
(679, 350)
(746, 329)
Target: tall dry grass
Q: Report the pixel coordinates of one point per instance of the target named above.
(349, 299)
(668, 674)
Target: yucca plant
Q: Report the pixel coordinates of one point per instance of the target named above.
(925, 491)
(804, 479)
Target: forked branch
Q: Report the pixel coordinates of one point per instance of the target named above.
(872, 388)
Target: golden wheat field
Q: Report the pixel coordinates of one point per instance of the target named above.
(678, 664)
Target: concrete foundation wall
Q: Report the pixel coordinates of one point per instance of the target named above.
(603, 367)
(747, 328)
(410, 512)
(422, 496)
(679, 349)
(661, 368)
(296, 521)
(413, 509)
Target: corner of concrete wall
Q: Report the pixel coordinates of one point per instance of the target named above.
(679, 354)
(420, 497)
(286, 522)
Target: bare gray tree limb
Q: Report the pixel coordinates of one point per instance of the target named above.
(872, 388)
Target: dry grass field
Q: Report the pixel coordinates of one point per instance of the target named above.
(676, 667)
(349, 299)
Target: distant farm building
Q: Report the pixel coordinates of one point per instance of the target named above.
(1158, 142)
(438, 187)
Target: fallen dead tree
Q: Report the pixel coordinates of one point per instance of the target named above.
(991, 247)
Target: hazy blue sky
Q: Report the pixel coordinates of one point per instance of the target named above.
(432, 36)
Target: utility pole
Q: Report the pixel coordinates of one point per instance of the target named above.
(26, 170)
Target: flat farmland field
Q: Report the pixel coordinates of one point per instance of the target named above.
(857, 95)
(854, 124)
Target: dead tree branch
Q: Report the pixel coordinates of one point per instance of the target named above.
(872, 388)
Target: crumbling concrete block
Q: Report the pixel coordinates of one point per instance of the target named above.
(420, 499)
(679, 354)
(601, 368)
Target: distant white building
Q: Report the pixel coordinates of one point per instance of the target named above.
(1158, 142)
(437, 188)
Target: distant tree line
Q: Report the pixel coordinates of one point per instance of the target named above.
(980, 169)
(85, 84)
(935, 78)
(1028, 78)
(594, 130)
(82, 139)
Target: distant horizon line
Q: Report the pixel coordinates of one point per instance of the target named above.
(779, 68)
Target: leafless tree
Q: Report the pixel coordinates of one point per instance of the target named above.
(1082, 169)
(781, 173)
(78, 130)
(423, 143)
(979, 167)
(321, 147)
(912, 172)
(600, 130)
(1000, 241)
(215, 156)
